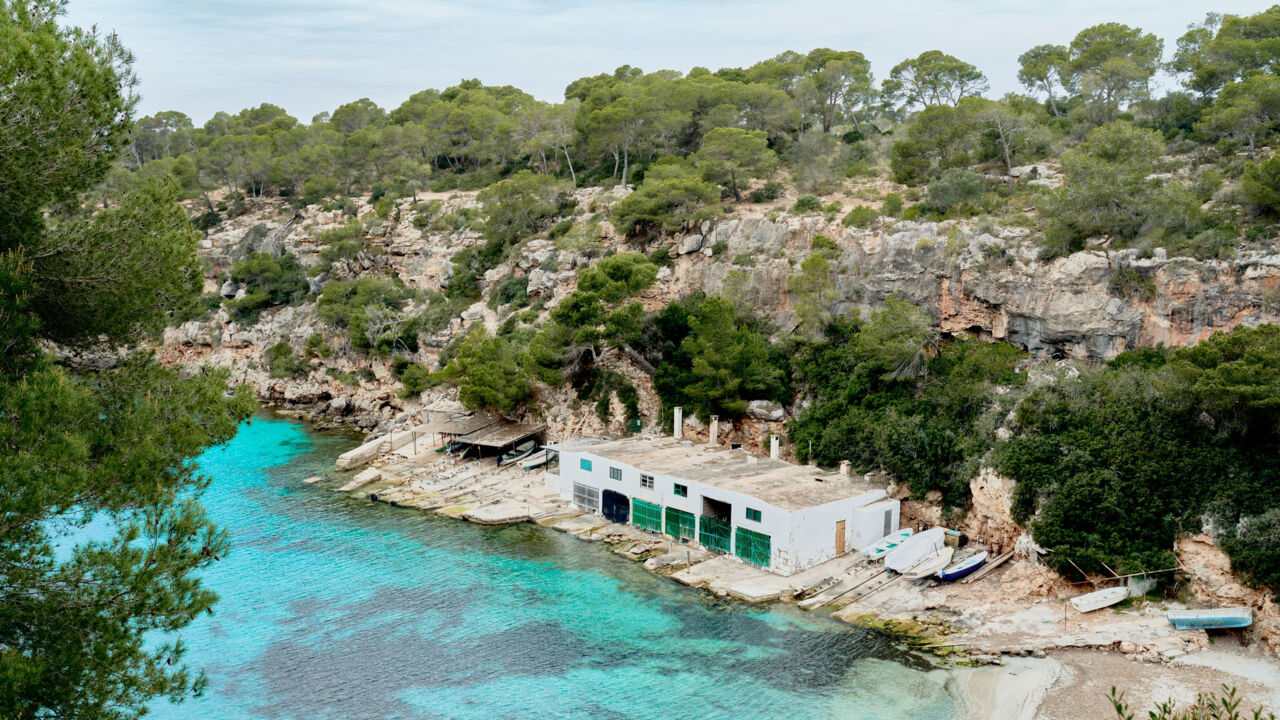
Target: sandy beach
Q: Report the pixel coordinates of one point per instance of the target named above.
(1076, 684)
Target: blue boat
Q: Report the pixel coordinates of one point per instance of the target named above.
(963, 568)
(1216, 619)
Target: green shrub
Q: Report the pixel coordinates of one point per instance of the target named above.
(561, 228)
(860, 216)
(618, 277)
(1261, 186)
(415, 379)
(513, 290)
(825, 245)
(317, 346)
(806, 204)
(425, 213)
(671, 197)
(719, 247)
(954, 187)
(771, 191)
(368, 308)
(744, 260)
(891, 205)
(1255, 549)
(268, 281)
(518, 206)
(282, 363)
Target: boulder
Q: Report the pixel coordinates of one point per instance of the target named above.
(767, 410)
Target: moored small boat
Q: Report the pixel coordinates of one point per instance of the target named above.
(520, 451)
(963, 568)
(1099, 599)
(1212, 619)
(930, 564)
(886, 543)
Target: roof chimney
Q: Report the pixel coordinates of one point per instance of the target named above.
(844, 468)
(715, 429)
(678, 426)
(773, 446)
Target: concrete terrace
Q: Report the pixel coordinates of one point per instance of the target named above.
(782, 484)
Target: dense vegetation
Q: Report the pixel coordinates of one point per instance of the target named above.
(1182, 171)
(1120, 460)
(99, 432)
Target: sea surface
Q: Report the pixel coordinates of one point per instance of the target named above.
(336, 607)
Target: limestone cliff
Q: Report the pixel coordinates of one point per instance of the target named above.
(976, 279)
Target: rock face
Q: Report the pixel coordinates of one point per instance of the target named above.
(1213, 585)
(1092, 304)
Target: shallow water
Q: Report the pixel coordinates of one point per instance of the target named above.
(335, 607)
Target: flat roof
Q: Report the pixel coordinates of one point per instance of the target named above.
(468, 424)
(502, 435)
(779, 483)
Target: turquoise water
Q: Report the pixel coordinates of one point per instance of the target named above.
(335, 607)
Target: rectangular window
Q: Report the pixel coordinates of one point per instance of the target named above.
(753, 514)
(585, 497)
(585, 464)
(646, 481)
(681, 490)
(615, 473)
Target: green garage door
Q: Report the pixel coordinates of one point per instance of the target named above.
(680, 524)
(713, 533)
(646, 515)
(753, 547)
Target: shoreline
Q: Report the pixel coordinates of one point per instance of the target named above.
(1001, 665)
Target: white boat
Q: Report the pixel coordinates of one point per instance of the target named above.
(914, 549)
(882, 546)
(931, 564)
(1100, 599)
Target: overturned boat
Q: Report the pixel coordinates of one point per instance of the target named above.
(1214, 619)
(1100, 599)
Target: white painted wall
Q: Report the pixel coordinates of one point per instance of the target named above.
(868, 522)
(798, 539)
(813, 531)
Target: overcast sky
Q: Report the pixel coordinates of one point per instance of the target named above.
(201, 56)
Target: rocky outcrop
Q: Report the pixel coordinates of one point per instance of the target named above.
(1211, 584)
(1092, 304)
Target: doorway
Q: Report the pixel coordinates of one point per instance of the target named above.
(839, 537)
(615, 506)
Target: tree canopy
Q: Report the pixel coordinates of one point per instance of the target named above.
(87, 627)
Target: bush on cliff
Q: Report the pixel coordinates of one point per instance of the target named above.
(269, 281)
(1112, 465)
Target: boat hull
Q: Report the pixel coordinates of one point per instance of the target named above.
(963, 568)
(1100, 599)
(886, 544)
(931, 564)
(1222, 619)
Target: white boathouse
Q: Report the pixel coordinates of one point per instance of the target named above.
(770, 513)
